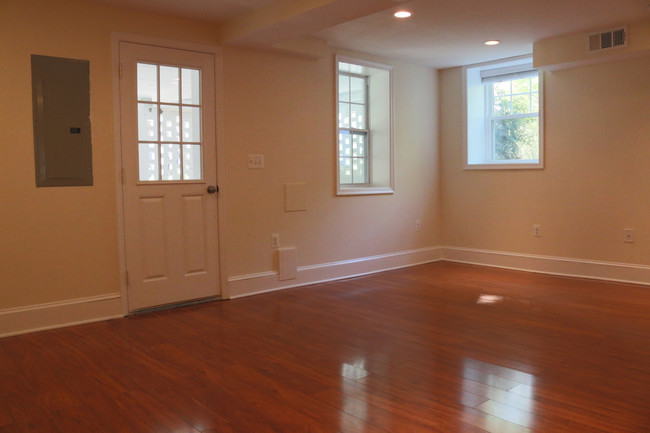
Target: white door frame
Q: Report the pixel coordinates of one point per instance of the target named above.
(116, 39)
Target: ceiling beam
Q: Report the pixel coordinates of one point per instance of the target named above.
(284, 20)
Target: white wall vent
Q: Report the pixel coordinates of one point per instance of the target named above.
(608, 39)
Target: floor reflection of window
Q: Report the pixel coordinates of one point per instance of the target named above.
(489, 299)
(505, 396)
(355, 401)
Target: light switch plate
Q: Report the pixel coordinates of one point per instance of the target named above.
(255, 161)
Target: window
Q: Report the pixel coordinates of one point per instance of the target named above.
(353, 128)
(504, 115)
(169, 123)
(364, 128)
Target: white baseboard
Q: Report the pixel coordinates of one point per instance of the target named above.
(33, 318)
(246, 285)
(15, 321)
(253, 284)
(608, 271)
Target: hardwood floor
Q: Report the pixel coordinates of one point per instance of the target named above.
(411, 350)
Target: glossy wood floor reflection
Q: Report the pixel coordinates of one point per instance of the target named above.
(434, 348)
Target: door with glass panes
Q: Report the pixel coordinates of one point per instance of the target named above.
(167, 109)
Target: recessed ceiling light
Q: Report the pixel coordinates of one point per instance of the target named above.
(492, 42)
(402, 14)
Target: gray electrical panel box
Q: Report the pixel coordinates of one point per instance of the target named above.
(61, 105)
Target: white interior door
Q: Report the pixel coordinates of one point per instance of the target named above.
(167, 108)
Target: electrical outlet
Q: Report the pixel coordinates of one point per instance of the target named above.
(537, 230)
(275, 240)
(255, 161)
(418, 225)
(628, 235)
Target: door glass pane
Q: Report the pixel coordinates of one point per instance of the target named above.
(170, 123)
(170, 161)
(147, 122)
(148, 156)
(191, 124)
(147, 82)
(169, 80)
(191, 162)
(191, 87)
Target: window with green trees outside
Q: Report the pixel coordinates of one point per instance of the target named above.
(504, 115)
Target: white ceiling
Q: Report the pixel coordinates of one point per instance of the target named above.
(441, 33)
(216, 11)
(444, 33)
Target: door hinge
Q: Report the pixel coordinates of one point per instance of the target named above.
(122, 175)
(127, 278)
(119, 70)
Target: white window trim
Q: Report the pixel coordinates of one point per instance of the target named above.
(367, 189)
(503, 165)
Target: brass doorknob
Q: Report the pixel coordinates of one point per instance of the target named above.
(212, 189)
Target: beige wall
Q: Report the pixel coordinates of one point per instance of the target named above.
(595, 182)
(283, 108)
(60, 244)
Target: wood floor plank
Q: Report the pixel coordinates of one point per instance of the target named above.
(437, 348)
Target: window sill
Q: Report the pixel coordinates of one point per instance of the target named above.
(365, 190)
(506, 166)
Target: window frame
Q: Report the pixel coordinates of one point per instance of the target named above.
(379, 138)
(478, 153)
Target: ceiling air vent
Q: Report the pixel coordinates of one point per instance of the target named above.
(608, 39)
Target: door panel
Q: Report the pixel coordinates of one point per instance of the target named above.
(167, 108)
(151, 223)
(194, 233)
